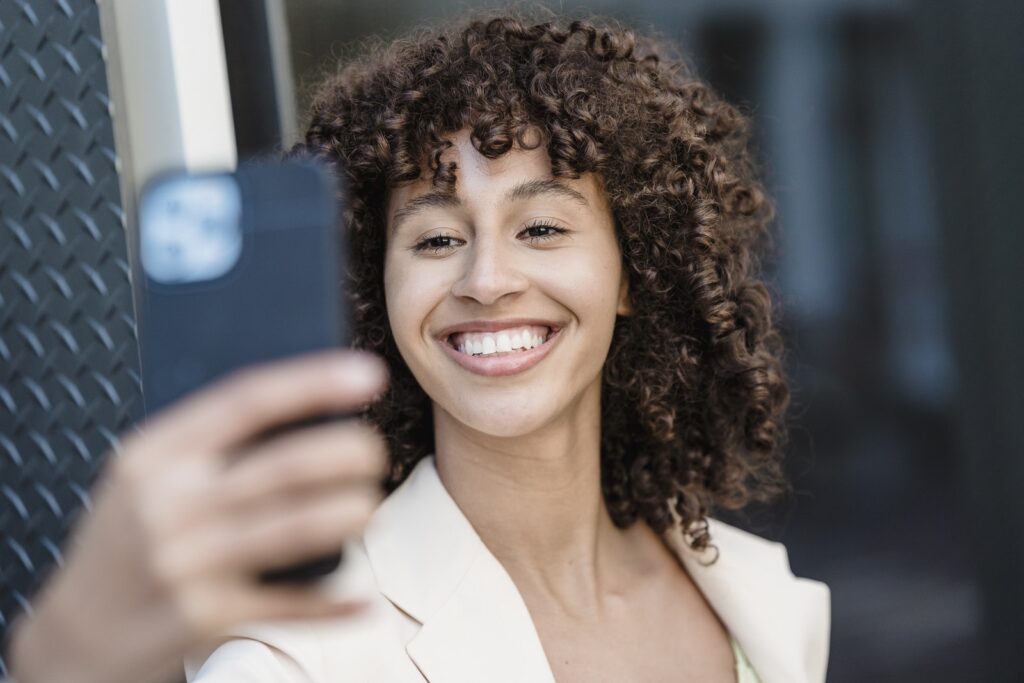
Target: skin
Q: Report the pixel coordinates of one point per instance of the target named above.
(520, 453)
(166, 558)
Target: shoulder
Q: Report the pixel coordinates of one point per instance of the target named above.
(369, 643)
(782, 621)
(771, 556)
(743, 544)
(401, 566)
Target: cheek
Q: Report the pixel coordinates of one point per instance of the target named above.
(411, 292)
(587, 283)
(401, 307)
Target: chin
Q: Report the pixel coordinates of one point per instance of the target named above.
(500, 418)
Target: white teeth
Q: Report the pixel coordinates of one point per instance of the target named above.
(504, 341)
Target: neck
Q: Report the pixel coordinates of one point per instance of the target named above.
(536, 501)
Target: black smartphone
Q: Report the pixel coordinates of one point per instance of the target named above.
(240, 268)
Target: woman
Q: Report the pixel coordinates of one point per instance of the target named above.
(555, 235)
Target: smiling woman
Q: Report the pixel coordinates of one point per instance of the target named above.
(554, 234)
(692, 388)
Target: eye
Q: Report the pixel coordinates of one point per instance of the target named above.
(438, 244)
(435, 244)
(543, 231)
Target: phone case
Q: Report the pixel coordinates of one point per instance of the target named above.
(240, 268)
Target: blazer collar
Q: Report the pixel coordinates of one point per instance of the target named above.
(781, 621)
(429, 561)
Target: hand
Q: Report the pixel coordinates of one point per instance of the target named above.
(168, 558)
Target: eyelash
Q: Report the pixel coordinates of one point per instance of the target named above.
(424, 244)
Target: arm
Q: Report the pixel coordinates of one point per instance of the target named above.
(167, 559)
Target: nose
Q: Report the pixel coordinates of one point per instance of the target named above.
(490, 273)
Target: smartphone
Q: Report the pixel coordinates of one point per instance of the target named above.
(240, 268)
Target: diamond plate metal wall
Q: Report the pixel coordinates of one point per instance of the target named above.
(69, 368)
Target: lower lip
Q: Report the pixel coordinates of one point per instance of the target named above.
(499, 366)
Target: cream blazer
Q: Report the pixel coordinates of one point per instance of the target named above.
(444, 610)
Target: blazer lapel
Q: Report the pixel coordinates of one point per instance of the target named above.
(781, 621)
(482, 633)
(430, 562)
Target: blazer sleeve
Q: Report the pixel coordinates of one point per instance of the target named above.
(258, 653)
(243, 660)
(295, 651)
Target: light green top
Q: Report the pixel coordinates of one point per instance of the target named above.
(744, 672)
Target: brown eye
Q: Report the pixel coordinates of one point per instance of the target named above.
(439, 242)
(543, 231)
(435, 244)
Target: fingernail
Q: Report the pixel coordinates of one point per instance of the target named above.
(360, 374)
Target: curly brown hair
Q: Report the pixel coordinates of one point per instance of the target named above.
(693, 394)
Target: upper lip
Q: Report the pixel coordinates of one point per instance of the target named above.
(494, 326)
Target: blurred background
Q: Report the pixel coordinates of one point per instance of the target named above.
(890, 135)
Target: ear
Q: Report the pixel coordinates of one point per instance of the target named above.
(624, 307)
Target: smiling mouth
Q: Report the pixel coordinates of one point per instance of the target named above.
(502, 343)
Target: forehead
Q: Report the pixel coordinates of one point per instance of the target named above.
(480, 182)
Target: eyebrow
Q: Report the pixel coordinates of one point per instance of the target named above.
(525, 190)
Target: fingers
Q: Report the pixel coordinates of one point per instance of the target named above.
(171, 572)
(254, 399)
(241, 603)
(337, 455)
(275, 536)
(215, 609)
(299, 531)
(296, 603)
